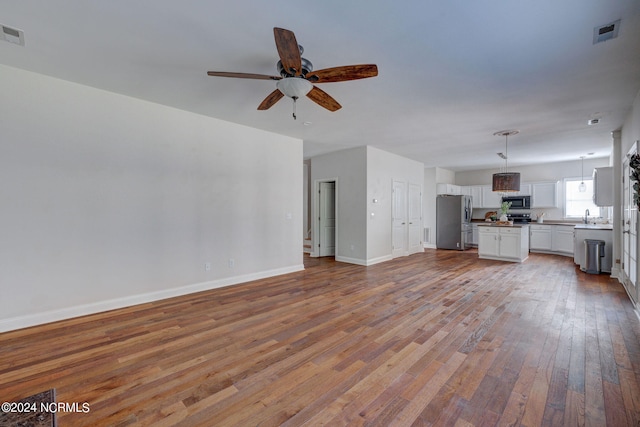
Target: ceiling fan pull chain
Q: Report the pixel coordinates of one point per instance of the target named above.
(294, 107)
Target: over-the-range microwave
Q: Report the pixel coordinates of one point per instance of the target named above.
(518, 202)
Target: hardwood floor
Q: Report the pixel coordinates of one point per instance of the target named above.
(440, 338)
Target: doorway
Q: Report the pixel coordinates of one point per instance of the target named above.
(629, 229)
(327, 219)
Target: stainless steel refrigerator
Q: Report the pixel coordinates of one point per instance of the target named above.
(453, 222)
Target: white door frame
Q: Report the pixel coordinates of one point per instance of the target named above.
(629, 241)
(399, 225)
(315, 253)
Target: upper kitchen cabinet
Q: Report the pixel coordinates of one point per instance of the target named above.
(603, 186)
(449, 189)
(544, 194)
(490, 199)
(475, 191)
(525, 190)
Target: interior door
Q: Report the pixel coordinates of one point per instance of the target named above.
(399, 218)
(327, 219)
(415, 219)
(629, 228)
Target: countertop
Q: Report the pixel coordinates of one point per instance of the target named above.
(552, 222)
(594, 227)
(576, 225)
(491, 224)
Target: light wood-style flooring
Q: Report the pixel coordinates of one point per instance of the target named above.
(439, 338)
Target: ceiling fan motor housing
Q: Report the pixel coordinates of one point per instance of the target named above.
(307, 66)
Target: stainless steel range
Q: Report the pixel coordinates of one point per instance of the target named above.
(520, 217)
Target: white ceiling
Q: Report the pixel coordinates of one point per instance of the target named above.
(451, 73)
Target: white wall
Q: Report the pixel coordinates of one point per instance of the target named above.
(631, 127)
(349, 169)
(109, 201)
(429, 194)
(445, 176)
(382, 169)
(543, 172)
(362, 174)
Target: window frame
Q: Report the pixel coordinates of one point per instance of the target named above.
(594, 211)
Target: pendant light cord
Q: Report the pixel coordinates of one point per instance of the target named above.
(506, 152)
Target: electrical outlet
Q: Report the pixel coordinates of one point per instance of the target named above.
(207, 266)
(232, 262)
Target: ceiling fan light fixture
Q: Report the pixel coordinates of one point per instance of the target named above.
(294, 87)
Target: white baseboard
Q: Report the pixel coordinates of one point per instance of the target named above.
(26, 321)
(615, 272)
(364, 262)
(622, 277)
(348, 260)
(429, 245)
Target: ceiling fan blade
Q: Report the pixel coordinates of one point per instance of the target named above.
(323, 99)
(344, 73)
(288, 50)
(242, 75)
(271, 99)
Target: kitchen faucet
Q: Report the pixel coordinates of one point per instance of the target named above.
(586, 216)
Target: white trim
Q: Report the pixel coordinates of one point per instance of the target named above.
(348, 260)
(20, 322)
(621, 280)
(364, 262)
(615, 272)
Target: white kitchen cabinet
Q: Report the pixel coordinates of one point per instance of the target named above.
(555, 239)
(503, 243)
(595, 232)
(562, 239)
(475, 191)
(540, 237)
(490, 199)
(544, 194)
(603, 186)
(488, 239)
(510, 243)
(450, 189)
(525, 190)
(474, 234)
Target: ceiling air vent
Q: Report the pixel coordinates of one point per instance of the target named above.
(606, 32)
(593, 122)
(12, 35)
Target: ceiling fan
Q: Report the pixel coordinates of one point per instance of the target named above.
(297, 76)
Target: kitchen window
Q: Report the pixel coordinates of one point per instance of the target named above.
(576, 203)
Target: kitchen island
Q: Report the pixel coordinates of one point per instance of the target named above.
(503, 243)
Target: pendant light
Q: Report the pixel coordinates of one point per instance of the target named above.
(505, 182)
(582, 187)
